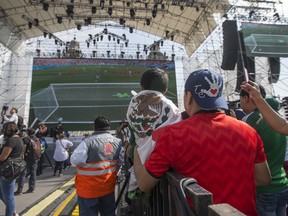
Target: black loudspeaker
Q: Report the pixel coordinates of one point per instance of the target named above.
(274, 69)
(230, 44)
(249, 64)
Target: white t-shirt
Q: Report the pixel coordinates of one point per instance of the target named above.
(60, 153)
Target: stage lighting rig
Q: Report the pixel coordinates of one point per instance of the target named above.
(154, 12)
(93, 9)
(87, 21)
(276, 17)
(168, 35)
(45, 6)
(110, 10)
(70, 10)
(122, 21)
(132, 13)
(102, 2)
(59, 19)
(35, 22)
(148, 22)
(251, 14)
(30, 24)
(110, 35)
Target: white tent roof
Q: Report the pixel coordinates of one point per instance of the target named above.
(187, 22)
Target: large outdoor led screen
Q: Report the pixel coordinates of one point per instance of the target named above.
(78, 90)
(268, 40)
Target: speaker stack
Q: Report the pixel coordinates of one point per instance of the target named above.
(274, 69)
(230, 44)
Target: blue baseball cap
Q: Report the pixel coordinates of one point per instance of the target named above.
(206, 87)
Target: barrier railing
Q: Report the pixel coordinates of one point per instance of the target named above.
(168, 198)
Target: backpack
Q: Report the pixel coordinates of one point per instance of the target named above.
(34, 149)
(20, 122)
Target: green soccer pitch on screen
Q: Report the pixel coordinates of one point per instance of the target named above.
(75, 91)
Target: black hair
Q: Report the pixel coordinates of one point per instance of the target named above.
(261, 88)
(102, 123)
(155, 79)
(10, 129)
(31, 131)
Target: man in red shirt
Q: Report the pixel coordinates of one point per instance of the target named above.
(224, 155)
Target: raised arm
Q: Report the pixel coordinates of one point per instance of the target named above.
(277, 122)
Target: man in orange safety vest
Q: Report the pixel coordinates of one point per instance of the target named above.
(98, 159)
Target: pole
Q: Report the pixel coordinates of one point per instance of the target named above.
(242, 58)
(33, 122)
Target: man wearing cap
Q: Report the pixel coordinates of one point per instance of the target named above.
(98, 159)
(273, 198)
(224, 155)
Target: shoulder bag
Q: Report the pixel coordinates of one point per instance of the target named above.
(12, 167)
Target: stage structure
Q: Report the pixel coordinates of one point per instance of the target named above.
(193, 31)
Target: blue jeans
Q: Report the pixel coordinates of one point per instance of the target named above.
(7, 195)
(31, 166)
(92, 206)
(272, 204)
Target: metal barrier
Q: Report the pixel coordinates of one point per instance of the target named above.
(168, 198)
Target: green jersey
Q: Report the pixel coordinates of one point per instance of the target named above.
(275, 148)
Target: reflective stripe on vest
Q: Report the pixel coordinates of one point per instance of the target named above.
(101, 164)
(96, 172)
(98, 168)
